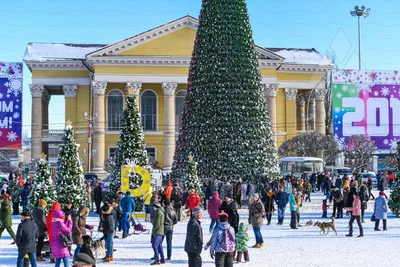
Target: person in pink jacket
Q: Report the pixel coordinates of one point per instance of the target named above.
(355, 215)
(58, 226)
(213, 209)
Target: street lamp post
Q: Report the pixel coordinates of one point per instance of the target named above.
(90, 151)
(360, 12)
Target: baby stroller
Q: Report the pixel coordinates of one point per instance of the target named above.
(139, 228)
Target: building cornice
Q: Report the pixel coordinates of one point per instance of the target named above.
(56, 64)
(304, 68)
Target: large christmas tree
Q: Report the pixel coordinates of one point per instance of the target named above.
(394, 201)
(130, 147)
(43, 187)
(69, 181)
(225, 122)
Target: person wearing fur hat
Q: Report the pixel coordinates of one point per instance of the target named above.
(59, 225)
(39, 217)
(230, 207)
(256, 215)
(108, 224)
(380, 211)
(79, 228)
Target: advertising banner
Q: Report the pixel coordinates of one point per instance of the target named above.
(367, 103)
(10, 105)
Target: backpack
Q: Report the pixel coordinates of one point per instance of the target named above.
(227, 243)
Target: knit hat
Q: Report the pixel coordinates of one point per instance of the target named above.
(157, 205)
(166, 202)
(381, 193)
(196, 210)
(257, 195)
(229, 194)
(84, 258)
(42, 202)
(26, 214)
(223, 217)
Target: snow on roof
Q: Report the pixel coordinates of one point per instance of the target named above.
(52, 51)
(301, 56)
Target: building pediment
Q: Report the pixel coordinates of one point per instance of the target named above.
(173, 39)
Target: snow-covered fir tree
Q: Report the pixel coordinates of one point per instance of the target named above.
(394, 200)
(130, 147)
(43, 187)
(191, 179)
(225, 122)
(69, 181)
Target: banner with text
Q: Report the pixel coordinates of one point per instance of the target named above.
(10, 105)
(367, 103)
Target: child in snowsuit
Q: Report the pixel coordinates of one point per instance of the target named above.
(125, 225)
(324, 209)
(242, 237)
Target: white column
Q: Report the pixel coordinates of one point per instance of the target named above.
(45, 118)
(169, 123)
(270, 98)
(291, 122)
(320, 110)
(37, 117)
(136, 87)
(375, 164)
(99, 125)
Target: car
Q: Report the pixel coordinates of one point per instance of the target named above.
(365, 176)
(91, 178)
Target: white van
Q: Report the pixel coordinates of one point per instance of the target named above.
(338, 171)
(300, 165)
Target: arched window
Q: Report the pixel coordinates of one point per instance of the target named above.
(179, 104)
(148, 109)
(115, 109)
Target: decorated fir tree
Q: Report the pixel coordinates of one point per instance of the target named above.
(225, 122)
(69, 180)
(130, 147)
(191, 179)
(394, 201)
(43, 187)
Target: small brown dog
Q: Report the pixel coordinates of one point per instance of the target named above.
(326, 226)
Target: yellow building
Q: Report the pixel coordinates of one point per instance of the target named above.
(94, 79)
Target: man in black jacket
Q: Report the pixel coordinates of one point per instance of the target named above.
(98, 197)
(39, 217)
(176, 200)
(27, 234)
(194, 238)
(230, 207)
(170, 219)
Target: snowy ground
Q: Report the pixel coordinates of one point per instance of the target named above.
(283, 246)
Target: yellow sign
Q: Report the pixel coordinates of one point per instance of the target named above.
(143, 189)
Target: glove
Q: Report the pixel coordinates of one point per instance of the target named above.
(91, 227)
(212, 256)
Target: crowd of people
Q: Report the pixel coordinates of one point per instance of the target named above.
(65, 224)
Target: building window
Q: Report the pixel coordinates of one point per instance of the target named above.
(148, 109)
(151, 154)
(111, 151)
(115, 109)
(179, 104)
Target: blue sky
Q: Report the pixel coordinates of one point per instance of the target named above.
(323, 24)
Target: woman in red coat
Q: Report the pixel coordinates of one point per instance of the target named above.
(193, 200)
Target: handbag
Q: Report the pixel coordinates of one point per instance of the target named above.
(373, 218)
(66, 240)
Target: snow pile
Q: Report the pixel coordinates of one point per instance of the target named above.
(51, 51)
(303, 56)
(283, 246)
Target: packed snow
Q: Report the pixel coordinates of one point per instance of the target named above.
(283, 246)
(303, 56)
(51, 51)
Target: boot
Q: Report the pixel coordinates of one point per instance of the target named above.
(385, 225)
(257, 246)
(239, 257)
(156, 263)
(361, 232)
(362, 220)
(39, 259)
(377, 225)
(111, 258)
(246, 256)
(107, 259)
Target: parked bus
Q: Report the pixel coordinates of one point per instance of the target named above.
(300, 165)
